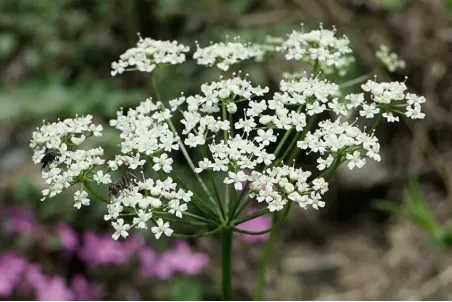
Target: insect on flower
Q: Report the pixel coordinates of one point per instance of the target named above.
(49, 157)
(116, 187)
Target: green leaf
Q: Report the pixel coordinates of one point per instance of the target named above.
(25, 190)
(448, 4)
(420, 212)
(393, 4)
(186, 289)
(387, 206)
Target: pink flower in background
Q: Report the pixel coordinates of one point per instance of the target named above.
(54, 289)
(12, 267)
(256, 225)
(132, 245)
(34, 278)
(84, 290)
(101, 249)
(22, 220)
(164, 268)
(185, 261)
(180, 259)
(69, 238)
(148, 260)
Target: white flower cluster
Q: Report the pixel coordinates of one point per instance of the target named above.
(317, 95)
(198, 119)
(67, 165)
(332, 138)
(143, 198)
(320, 47)
(236, 128)
(389, 98)
(145, 133)
(276, 186)
(149, 53)
(390, 59)
(225, 54)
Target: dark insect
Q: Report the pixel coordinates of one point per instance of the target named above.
(116, 187)
(49, 157)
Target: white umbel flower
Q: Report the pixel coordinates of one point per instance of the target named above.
(162, 228)
(148, 54)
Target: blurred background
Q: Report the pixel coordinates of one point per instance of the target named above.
(383, 234)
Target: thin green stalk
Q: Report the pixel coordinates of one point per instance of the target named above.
(197, 201)
(294, 152)
(240, 201)
(264, 263)
(336, 163)
(251, 216)
(214, 185)
(200, 221)
(226, 264)
(181, 236)
(375, 124)
(282, 142)
(90, 190)
(353, 82)
(274, 225)
(183, 149)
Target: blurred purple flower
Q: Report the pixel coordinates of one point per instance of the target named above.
(34, 278)
(69, 238)
(132, 245)
(54, 289)
(101, 249)
(12, 267)
(22, 220)
(186, 261)
(148, 260)
(84, 290)
(257, 224)
(180, 259)
(163, 268)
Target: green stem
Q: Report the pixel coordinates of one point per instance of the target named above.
(181, 236)
(354, 81)
(282, 142)
(226, 263)
(274, 225)
(252, 216)
(183, 149)
(264, 263)
(294, 153)
(242, 199)
(90, 190)
(375, 124)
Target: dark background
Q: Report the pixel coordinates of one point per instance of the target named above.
(55, 60)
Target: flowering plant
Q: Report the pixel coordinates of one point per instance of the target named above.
(248, 136)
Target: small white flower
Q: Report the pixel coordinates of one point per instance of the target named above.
(369, 110)
(390, 117)
(355, 160)
(121, 229)
(319, 184)
(81, 198)
(163, 162)
(100, 177)
(315, 201)
(236, 179)
(142, 219)
(161, 228)
(176, 208)
(324, 163)
(265, 137)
